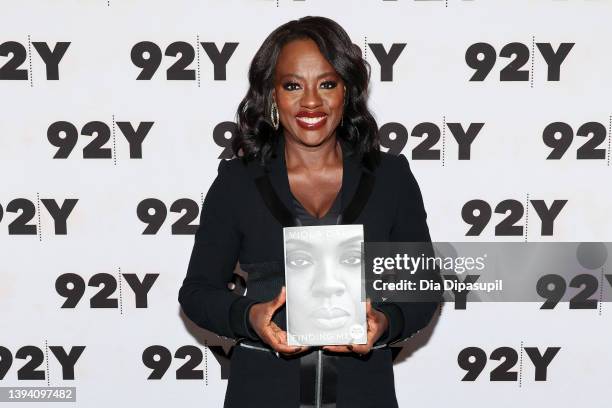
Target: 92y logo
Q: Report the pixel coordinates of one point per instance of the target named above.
(159, 358)
(153, 212)
(64, 135)
(482, 57)
(430, 133)
(72, 287)
(36, 356)
(11, 69)
(148, 56)
(477, 213)
(553, 288)
(22, 225)
(474, 360)
(559, 137)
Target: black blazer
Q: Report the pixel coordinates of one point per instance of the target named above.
(236, 224)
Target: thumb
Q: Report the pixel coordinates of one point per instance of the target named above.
(368, 306)
(279, 300)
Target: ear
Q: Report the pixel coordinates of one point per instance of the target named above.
(274, 93)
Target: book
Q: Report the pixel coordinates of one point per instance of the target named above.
(324, 280)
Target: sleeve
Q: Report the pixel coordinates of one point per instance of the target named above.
(410, 225)
(204, 295)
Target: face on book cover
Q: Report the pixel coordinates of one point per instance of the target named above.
(309, 94)
(324, 282)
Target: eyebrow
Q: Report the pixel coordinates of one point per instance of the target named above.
(350, 240)
(328, 73)
(310, 245)
(299, 242)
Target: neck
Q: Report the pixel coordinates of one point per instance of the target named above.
(327, 154)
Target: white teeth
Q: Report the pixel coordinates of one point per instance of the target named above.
(310, 121)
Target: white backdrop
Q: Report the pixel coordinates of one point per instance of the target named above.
(429, 82)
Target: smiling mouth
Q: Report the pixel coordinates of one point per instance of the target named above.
(311, 123)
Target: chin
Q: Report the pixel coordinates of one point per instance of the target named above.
(312, 138)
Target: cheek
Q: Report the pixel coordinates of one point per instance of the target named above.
(354, 288)
(301, 281)
(352, 281)
(285, 106)
(336, 104)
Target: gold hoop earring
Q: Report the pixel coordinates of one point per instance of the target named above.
(274, 114)
(344, 101)
(343, 109)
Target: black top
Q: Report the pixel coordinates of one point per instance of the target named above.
(328, 219)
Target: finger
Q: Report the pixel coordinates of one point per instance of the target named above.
(286, 349)
(368, 306)
(293, 349)
(338, 349)
(279, 334)
(278, 341)
(270, 334)
(361, 348)
(282, 337)
(275, 341)
(297, 350)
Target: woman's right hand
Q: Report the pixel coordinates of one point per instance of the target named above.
(260, 316)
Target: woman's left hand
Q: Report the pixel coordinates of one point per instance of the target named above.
(377, 324)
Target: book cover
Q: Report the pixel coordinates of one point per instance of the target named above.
(324, 285)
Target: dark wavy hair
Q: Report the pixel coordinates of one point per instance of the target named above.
(256, 134)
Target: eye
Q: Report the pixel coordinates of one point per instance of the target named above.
(329, 84)
(351, 259)
(300, 262)
(299, 259)
(288, 86)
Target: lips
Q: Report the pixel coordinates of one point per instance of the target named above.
(311, 120)
(330, 319)
(324, 313)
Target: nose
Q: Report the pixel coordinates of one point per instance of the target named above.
(326, 283)
(311, 98)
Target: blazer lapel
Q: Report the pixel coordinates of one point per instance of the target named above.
(277, 170)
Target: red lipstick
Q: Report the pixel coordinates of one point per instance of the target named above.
(311, 120)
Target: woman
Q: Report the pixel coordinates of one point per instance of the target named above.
(308, 154)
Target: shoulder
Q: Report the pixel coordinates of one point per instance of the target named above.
(230, 166)
(234, 178)
(227, 179)
(394, 173)
(233, 169)
(392, 164)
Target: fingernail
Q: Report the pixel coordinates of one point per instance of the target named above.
(297, 349)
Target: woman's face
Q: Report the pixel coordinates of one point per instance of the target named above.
(309, 93)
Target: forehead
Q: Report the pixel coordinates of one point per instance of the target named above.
(300, 57)
(328, 239)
